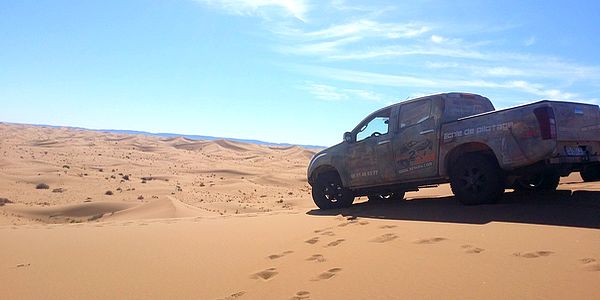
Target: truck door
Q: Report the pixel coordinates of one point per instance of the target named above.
(370, 154)
(416, 144)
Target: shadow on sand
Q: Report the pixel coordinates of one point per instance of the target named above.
(559, 208)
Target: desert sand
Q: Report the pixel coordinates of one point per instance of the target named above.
(131, 216)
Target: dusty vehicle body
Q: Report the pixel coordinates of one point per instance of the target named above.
(458, 138)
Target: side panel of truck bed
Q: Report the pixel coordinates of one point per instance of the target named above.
(513, 135)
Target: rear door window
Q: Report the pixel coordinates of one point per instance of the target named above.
(415, 113)
(460, 107)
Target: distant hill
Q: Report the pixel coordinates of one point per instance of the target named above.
(204, 137)
(188, 136)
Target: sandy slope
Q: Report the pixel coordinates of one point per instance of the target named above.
(223, 220)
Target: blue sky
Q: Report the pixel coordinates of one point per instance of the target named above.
(296, 71)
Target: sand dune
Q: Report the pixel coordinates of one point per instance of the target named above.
(127, 216)
(166, 208)
(68, 213)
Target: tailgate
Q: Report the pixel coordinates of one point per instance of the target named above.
(577, 121)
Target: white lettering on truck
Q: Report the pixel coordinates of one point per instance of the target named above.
(478, 130)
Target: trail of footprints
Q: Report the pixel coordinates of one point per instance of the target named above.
(589, 264)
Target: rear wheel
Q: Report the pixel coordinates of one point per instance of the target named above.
(476, 179)
(388, 196)
(329, 193)
(591, 173)
(546, 181)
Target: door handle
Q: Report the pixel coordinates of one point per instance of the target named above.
(426, 131)
(383, 142)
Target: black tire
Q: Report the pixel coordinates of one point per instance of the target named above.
(591, 173)
(395, 196)
(329, 193)
(476, 179)
(547, 181)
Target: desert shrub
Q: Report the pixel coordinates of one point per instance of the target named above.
(4, 201)
(42, 186)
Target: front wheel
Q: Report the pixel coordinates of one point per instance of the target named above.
(476, 179)
(329, 193)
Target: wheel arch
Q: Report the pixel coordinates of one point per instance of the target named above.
(463, 149)
(321, 170)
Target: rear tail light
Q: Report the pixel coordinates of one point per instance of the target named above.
(547, 122)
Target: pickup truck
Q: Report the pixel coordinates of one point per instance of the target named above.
(461, 139)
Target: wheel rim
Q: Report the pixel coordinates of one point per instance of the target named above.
(385, 196)
(333, 192)
(473, 180)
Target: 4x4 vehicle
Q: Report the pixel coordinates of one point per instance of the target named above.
(458, 138)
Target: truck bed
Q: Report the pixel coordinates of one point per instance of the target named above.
(526, 134)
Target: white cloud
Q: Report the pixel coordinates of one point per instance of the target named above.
(325, 92)
(365, 95)
(434, 83)
(413, 50)
(369, 28)
(540, 90)
(521, 66)
(438, 39)
(336, 36)
(331, 93)
(320, 48)
(295, 8)
(530, 41)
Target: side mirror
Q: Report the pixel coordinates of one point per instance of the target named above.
(348, 137)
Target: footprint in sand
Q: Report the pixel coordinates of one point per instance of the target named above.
(234, 296)
(533, 254)
(328, 233)
(470, 249)
(316, 258)
(276, 256)
(301, 295)
(265, 274)
(384, 238)
(321, 230)
(590, 264)
(312, 241)
(351, 220)
(387, 226)
(431, 240)
(335, 243)
(327, 274)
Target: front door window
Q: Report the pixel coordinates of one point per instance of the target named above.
(376, 127)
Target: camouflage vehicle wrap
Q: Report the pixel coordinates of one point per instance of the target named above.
(458, 138)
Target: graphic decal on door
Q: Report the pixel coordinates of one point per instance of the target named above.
(415, 155)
